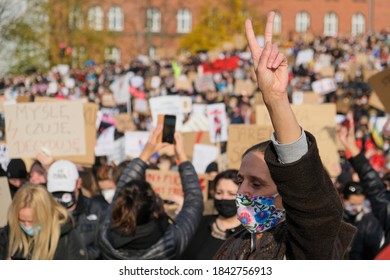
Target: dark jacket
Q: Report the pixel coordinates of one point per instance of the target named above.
(88, 216)
(177, 234)
(70, 246)
(313, 228)
(375, 190)
(366, 242)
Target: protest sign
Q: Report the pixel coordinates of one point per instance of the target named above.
(304, 57)
(204, 83)
(168, 183)
(204, 155)
(381, 84)
(4, 158)
(120, 88)
(135, 142)
(218, 126)
(167, 105)
(324, 86)
(155, 82)
(124, 122)
(55, 126)
(140, 106)
(90, 113)
(192, 138)
(375, 102)
(105, 142)
(327, 71)
(182, 83)
(5, 200)
(242, 137)
(318, 120)
(186, 104)
(244, 87)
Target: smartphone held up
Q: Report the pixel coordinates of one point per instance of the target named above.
(169, 123)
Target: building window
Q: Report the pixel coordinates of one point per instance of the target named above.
(152, 52)
(76, 18)
(112, 54)
(331, 24)
(95, 18)
(153, 20)
(278, 23)
(184, 21)
(302, 22)
(79, 55)
(115, 19)
(358, 24)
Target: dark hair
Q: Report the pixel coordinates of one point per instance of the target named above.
(386, 177)
(352, 188)
(88, 181)
(261, 147)
(230, 174)
(137, 204)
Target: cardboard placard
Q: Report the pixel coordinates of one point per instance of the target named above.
(204, 83)
(327, 71)
(90, 117)
(167, 183)
(312, 98)
(244, 87)
(182, 83)
(242, 137)
(381, 84)
(374, 101)
(319, 120)
(191, 138)
(54, 125)
(124, 122)
(5, 200)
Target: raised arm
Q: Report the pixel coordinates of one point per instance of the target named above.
(272, 77)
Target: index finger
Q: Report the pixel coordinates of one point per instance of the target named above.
(269, 27)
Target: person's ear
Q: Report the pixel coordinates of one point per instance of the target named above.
(78, 183)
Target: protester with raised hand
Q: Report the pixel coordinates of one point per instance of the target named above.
(286, 201)
(374, 187)
(136, 225)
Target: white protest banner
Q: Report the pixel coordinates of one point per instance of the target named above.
(141, 106)
(167, 105)
(204, 83)
(304, 57)
(155, 82)
(381, 84)
(197, 122)
(216, 113)
(57, 126)
(4, 158)
(121, 88)
(324, 86)
(244, 87)
(199, 109)
(105, 142)
(168, 183)
(135, 142)
(5, 200)
(186, 104)
(204, 155)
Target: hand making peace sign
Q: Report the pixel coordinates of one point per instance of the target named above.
(270, 65)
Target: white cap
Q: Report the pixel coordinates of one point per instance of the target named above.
(62, 176)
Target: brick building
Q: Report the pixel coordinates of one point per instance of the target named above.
(155, 26)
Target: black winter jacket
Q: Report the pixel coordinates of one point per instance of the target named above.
(70, 246)
(177, 235)
(375, 190)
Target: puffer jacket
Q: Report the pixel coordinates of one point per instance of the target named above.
(375, 190)
(70, 245)
(177, 235)
(313, 228)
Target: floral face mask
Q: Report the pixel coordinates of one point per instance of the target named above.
(258, 213)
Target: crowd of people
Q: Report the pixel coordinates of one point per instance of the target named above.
(280, 204)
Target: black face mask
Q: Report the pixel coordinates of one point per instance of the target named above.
(226, 208)
(66, 199)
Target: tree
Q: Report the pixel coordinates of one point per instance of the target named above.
(218, 25)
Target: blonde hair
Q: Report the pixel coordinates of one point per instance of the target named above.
(47, 213)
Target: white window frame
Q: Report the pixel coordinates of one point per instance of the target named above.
(76, 19)
(358, 24)
(153, 20)
(184, 21)
(302, 22)
(96, 18)
(115, 19)
(113, 54)
(277, 23)
(331, 24)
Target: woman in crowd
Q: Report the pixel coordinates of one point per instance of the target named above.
(39, 228)
(215, 229)
(136, 226)
(285, 200)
